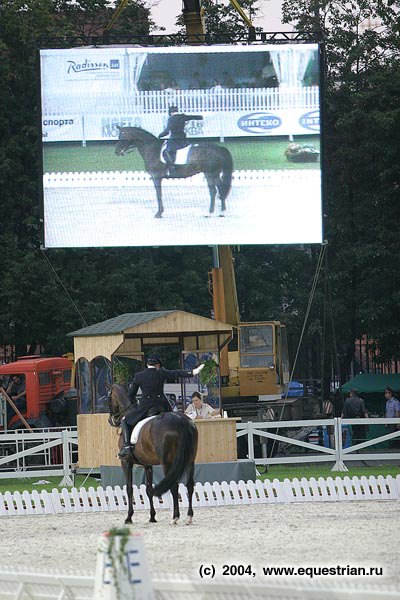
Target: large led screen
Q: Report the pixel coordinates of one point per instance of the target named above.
(181, 145)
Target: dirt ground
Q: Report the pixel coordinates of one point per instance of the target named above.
(359, 534)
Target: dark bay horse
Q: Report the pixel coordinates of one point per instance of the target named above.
(205, 157)
(169, 440)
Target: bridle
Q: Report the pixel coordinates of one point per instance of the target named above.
(115, 418)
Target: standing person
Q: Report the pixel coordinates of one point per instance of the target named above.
(177, 137)
(151, 382)
(199, 409)
(354, 408)
(17, 391)
(392, 411)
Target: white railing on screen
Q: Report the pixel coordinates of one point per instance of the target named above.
(190, 101)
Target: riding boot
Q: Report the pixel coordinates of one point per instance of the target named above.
(126, 449)
(171, 170)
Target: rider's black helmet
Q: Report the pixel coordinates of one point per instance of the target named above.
(173, 109)
(154, 360)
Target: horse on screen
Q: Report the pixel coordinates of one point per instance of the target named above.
(204, 157)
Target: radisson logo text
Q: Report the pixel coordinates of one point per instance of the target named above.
(91, 66)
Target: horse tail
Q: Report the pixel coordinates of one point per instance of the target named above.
(185, 455)
(226, 177)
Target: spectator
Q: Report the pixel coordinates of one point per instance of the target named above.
(216, 87)
(227, 80)
(268, 75)
(17, 392)
(199, 409)
(354, 408)
(194, 83)
(392, 411)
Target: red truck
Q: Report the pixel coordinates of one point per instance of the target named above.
(50, 400)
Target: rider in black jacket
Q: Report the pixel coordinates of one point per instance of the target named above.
(177, 137)
(151, 382)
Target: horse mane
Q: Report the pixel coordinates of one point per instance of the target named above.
(142, 134)
(122, 393)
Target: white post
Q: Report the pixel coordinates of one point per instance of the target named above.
(66, 480)
(250, 440)
(122, 572)
(339, 464)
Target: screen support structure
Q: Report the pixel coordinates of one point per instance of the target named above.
(224, 295)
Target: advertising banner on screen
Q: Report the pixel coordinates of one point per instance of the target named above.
(181, 145)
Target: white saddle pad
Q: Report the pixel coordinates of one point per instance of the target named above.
(181, 155)
(138, 427)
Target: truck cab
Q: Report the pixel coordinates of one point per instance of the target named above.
(47, 381)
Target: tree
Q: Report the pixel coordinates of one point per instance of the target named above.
(35, 308)
(361, 169)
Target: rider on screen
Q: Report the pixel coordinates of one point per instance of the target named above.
(177, 136)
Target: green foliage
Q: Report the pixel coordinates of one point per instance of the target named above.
(29, 484)
(120, 372)
(208, 375)
(246, 154)
(362, 175)
(362, 118)
(282, 472)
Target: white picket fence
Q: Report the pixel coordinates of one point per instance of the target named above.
(132, 178)
(205, 495)
(189, 101)
(18, 584)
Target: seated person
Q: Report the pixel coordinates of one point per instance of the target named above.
(16, 390)
(199, 409)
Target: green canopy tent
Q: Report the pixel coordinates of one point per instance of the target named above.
(372, 383)
(371, 387)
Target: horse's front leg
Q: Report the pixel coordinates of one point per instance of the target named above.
(149, 492)
(127, 465)
(157, 185)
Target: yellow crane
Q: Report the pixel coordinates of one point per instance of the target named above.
(256, 365)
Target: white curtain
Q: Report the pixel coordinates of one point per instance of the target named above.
(134, 62)
(290, 65)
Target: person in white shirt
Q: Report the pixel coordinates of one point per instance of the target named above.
(199, 409)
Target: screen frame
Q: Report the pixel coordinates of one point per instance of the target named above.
(155, 42)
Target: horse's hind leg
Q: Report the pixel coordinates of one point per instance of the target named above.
(176, 514)
(211, 182)
(127, 465)
(174, 492)
(222, 197)
(149, 492)
(190, 488)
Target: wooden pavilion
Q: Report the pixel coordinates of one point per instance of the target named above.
(130, 335)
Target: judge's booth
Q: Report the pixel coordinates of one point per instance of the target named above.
(115, 349)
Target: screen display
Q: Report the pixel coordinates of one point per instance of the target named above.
(205, 145)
